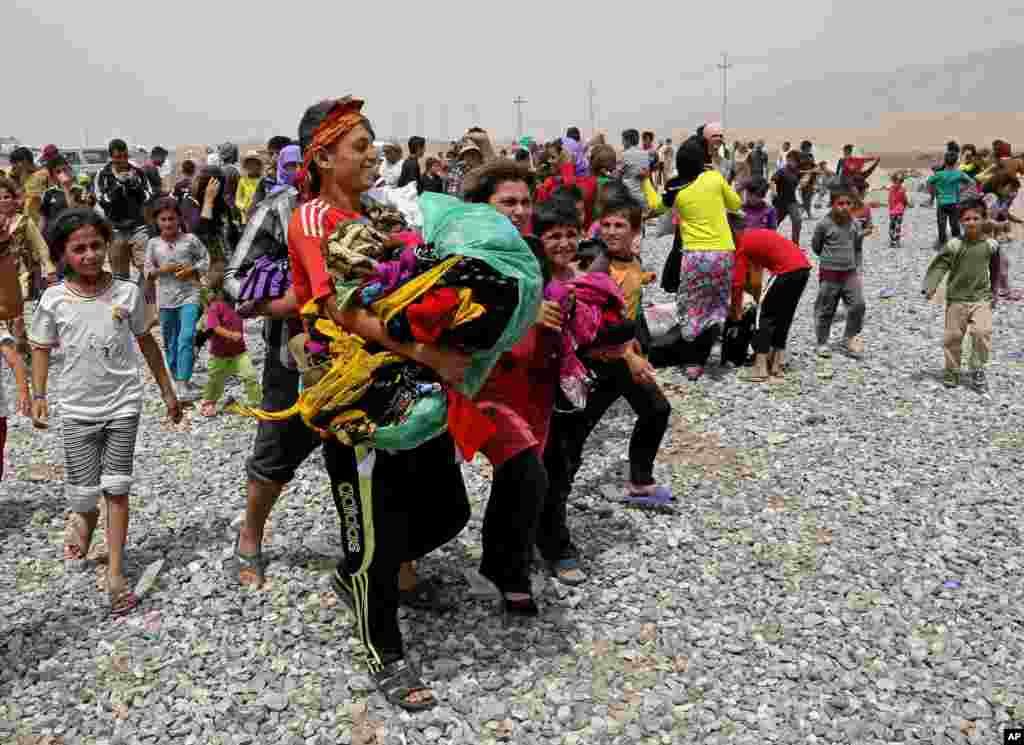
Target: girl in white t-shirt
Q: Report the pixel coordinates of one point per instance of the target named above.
(98, 320)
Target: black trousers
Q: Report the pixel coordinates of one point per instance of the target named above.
(417, 503)
(569, 433)
(778, 309)
(698, 351)
(518, 490)
(948, 213)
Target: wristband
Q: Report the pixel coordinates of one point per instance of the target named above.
(39, 397)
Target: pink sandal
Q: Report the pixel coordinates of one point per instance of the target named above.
(208, 409)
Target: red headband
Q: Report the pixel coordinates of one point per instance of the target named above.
(340, 120)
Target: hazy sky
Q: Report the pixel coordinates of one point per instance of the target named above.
(192, 71)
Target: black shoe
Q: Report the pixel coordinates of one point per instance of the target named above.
(980, 383)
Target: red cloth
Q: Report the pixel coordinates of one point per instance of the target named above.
(567, 176)
(767, 249)
(222, 315)
(432, 314)
(519, 396)
(312, 222)
(467, 424)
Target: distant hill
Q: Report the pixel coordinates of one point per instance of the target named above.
(978, 82)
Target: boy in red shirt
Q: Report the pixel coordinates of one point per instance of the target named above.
(790, 270)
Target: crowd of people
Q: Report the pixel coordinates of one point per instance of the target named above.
(502, 314)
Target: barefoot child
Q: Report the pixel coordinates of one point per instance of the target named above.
(9, 353)
(228, 355)
(972, 264)
(98, 319)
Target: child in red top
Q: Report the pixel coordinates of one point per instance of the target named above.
(790, 270)
(228, 355)
(897, 206)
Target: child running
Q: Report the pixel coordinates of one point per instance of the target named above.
(839, 241)
(8, 352)
(95, 316)
(897, 206)
(972, 264)
(228, 355)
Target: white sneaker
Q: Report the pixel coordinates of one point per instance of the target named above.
(184, 391)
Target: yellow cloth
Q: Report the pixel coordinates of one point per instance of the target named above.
(243, 196)
(653, 198)
(28, 243)
(703, 224)
(467, 310)
(388, 306)
(347, 380)
(352, 368)
(35, 186)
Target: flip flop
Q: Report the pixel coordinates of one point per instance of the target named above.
(567, 571)
(661, 499)
(398, 681)
(248, 563)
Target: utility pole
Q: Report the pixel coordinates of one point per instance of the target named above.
(725, 66)
(519, 101)
(474, 114)
(591, 91)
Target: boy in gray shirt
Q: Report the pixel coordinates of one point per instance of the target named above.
(839, 242)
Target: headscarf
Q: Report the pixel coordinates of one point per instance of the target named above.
(578, 154)
(340, 120)
(289, 154)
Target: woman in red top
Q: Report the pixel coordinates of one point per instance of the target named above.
(790, 270)
(519, 398)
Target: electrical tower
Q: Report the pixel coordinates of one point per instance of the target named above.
(591, 92)
(725, 66)
(519, 101)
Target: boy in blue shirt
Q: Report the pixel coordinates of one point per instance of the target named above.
(947, 184)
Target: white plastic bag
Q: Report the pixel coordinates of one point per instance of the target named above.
(403, 199)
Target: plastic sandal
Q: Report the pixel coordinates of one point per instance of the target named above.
(250, 565)
(660, 499)
(398, 681)
(513, 604)
(567, 571)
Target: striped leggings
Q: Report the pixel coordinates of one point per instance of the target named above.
(98, 459)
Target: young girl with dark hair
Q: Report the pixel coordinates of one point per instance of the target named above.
(217, 228)
(175, 263)
(98, 320)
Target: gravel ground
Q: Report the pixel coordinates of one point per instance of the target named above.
(844, 566)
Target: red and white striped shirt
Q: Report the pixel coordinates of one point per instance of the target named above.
(310, 225)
